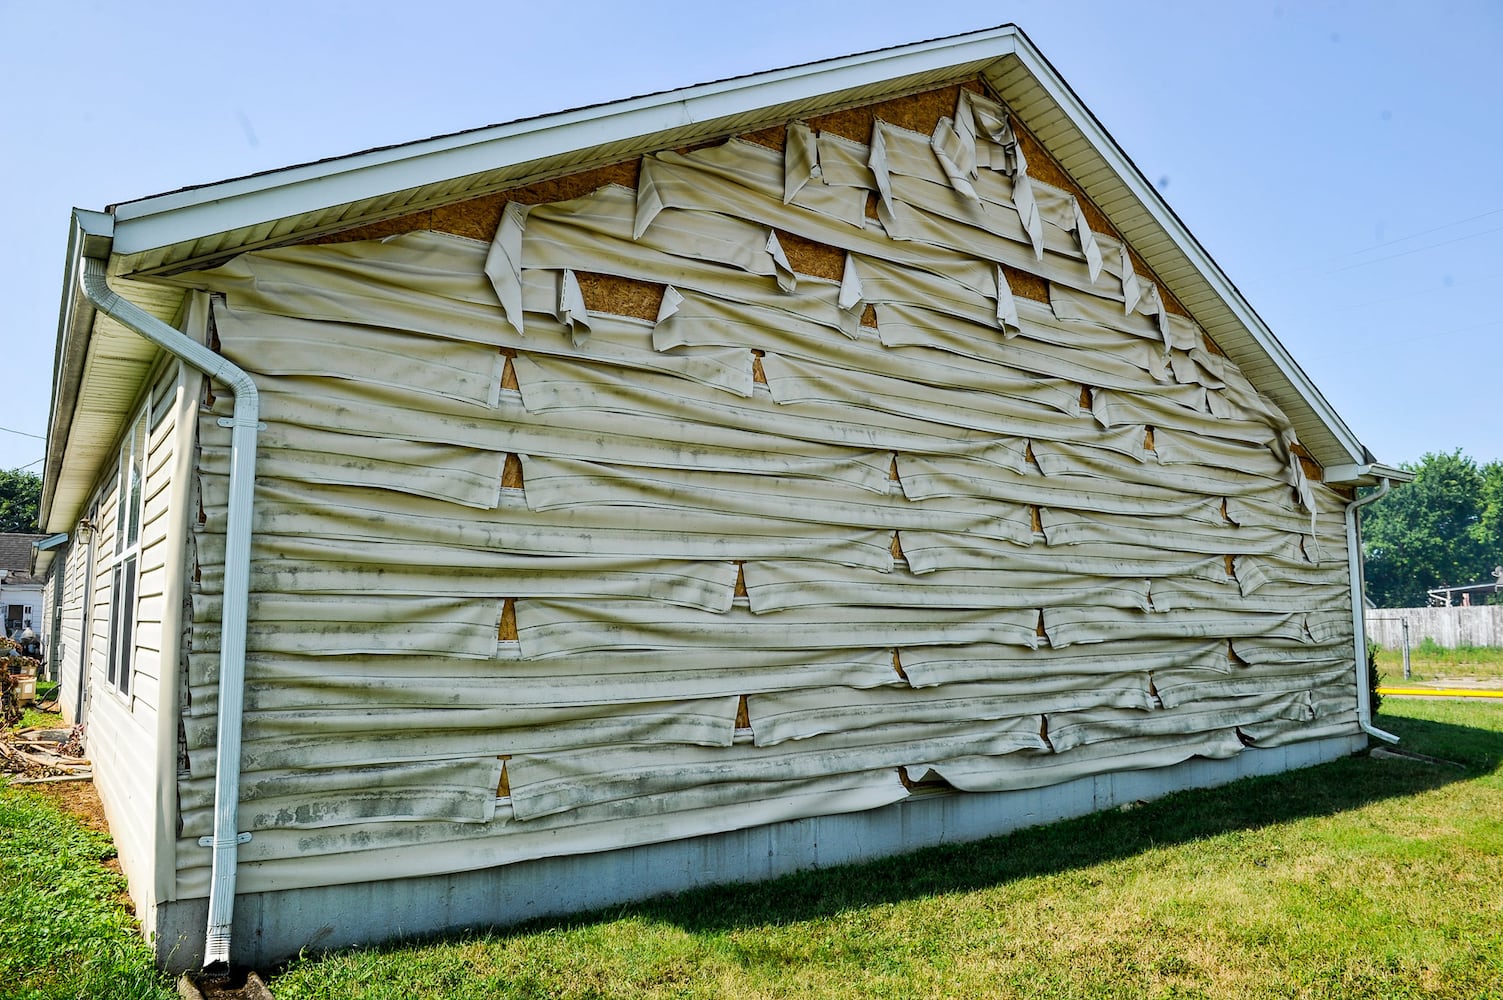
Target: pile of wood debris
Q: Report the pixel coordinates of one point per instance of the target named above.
(39, 754)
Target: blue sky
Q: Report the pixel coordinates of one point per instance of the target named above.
(1340, 161)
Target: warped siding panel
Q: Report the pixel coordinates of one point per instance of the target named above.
(350, 853)
(362, 738)
(1018, 771)
(288, 346)
(321, 624)
(543, 784)
(799, 715)
(509, 682)
(557, 484)
(593, 434)
(557, 628)
(708, 586)
(719, 501)
(942, 665)
(376, 516)
(776, 587)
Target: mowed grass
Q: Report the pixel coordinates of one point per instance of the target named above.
(1361, 878)
(64, 930)
(1430, 663)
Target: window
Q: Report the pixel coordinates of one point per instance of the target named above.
(128, 487)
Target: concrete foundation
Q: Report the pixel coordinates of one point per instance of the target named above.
(272, 926)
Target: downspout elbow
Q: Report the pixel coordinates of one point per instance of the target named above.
(110, 302)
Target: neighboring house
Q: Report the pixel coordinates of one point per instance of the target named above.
(1466, 596)
(778, 472)
(20, 592)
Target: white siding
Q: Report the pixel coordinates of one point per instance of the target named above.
(124, 729)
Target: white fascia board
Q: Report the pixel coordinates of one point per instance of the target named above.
(1367, 474)
(1148, 196)
(176, 217)
(89, 235)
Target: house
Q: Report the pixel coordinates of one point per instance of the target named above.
(20, 592)
(773, 473)
(1472, 593)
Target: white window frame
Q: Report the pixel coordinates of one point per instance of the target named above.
(123, 564)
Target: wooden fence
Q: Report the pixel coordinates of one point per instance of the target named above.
(1448, 627)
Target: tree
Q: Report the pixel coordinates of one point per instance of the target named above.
(20, 499)
(1490, 521)
(1443, 529)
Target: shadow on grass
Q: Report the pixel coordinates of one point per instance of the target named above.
(1181, 817)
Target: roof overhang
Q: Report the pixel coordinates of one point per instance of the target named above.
(99, 370)
(42, 552)
(1370, 474)
(201, 226)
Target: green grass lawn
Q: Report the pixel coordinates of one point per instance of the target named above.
(1361, 878)
(1429, 663)
(64, 930)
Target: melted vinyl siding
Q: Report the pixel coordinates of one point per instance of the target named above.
(753, 560)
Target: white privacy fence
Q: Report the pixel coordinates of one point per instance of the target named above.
(1448, 627)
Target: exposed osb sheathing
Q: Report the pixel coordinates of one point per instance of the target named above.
(506, 630)
(915, 112)
(773, 138)
(1311, 467)
(1046, 168)
(1025, 285)
(808, 257)
(511, 479)
(477, 218)
(622, 296)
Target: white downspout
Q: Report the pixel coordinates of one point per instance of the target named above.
(244, 423)
(1359, 625)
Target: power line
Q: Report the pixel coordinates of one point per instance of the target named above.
(1425, 232)
(1388, 243)
(11, 430)
(1405, 253)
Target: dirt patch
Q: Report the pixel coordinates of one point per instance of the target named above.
(239, 984)
(80, 799)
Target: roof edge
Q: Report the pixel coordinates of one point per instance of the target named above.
(162, 220)
(90, 234)
(1164, 216)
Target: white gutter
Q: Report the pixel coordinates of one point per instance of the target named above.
(244, 423)
(46, 545)
(1359, 626)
